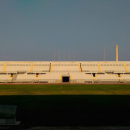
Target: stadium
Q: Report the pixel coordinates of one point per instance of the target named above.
(59, 65)
(65, 71)
(85, 101)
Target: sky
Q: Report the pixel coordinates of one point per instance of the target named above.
(79, 30)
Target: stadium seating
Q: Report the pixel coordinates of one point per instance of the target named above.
(127, 67)
(17, 67)
(90, 67)
(41, 67)
(5, 78)
(65, 67)
(57, 72)
(112, 67)
(103, 78)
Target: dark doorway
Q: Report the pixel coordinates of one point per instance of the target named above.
(37, 74)
(119, 75)
(11, 75)
(93, 74)
(65, 79)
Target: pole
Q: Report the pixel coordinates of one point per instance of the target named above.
(104, 54)
(59, 55)
(116, 52)
(69, 56)
(54, 55)
(74, 55)
(64, 55)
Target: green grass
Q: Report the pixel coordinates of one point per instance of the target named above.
(66, 89)
(69, 104)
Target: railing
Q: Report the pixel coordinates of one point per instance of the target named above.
(4, 80)
(65, 70)
(36, 81)
(108, 80)
(83, 80)
(60, 81)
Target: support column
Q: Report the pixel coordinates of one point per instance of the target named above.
(116, 52)
(31, 68)
(4, 67)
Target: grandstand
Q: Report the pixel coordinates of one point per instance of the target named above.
(65, 71)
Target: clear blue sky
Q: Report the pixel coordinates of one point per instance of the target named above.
(31, 30)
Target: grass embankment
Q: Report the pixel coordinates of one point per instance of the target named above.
(69, 105)
(65, 89)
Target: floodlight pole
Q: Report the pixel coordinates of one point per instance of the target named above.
(73, 56)
(54, 55)
(104, 54)
(64, 55)
(59, 55)
(68, 56)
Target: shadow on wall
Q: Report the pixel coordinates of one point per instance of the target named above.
(71, 110)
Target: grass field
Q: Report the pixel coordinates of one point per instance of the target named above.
(66, 89)
(69, 105)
